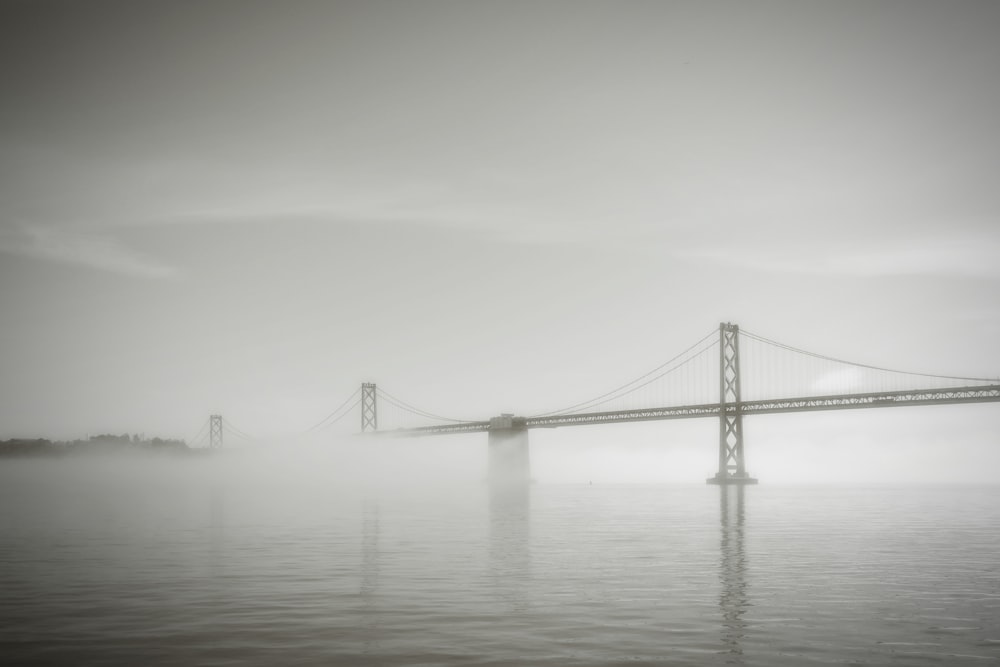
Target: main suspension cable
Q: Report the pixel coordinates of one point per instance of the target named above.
(852, 363)
(237, 431)
(200, 435)
(343, 414)
(403, 405)
(322, 421)
(598, 400)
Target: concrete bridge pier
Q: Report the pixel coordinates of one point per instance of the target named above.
(510, 463)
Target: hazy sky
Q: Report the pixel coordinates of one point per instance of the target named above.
(252, 207)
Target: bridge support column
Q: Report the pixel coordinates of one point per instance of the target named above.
(510, 462)
(215, 431)
(732, 467)
(369, 407)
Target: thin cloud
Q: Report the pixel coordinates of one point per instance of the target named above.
(966, 256)
(91, 250)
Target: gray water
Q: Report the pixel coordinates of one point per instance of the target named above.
(200, 562)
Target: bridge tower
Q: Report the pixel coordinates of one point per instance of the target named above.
(510, 464)
(732, 467)
(369, 408)
(215, 431)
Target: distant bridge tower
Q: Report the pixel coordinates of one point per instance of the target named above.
(215, 431)
(369, 408)
(732, 467)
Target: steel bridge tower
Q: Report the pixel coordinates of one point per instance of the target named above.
(369, 408)
(732, 467)
(215, 431)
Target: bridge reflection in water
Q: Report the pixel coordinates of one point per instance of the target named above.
(734, 594)
(515, 582)
(369, 551)
(371, 629)
(510, 543)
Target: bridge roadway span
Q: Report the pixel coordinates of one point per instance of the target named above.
(888, 399)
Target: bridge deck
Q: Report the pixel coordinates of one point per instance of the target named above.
(889, 399)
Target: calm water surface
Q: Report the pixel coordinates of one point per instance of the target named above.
(212, 563)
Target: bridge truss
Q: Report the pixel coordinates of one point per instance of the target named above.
(983, 394)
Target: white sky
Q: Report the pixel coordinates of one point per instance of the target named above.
(250, 208)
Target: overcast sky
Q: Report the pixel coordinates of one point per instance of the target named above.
(252, 207)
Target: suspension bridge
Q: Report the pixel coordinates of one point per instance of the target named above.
(727, 374)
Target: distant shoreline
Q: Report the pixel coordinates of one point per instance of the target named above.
(97, 444)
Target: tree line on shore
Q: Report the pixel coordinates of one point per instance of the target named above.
(95, 444)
